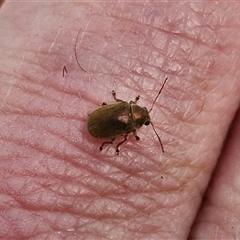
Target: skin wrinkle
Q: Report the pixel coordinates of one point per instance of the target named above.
(121, 65)
(38, 93)
(129, 189)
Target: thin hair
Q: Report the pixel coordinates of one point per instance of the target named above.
(75, 51)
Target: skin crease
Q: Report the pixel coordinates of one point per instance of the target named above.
(55, 184)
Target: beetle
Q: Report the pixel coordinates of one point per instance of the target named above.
(120, 119)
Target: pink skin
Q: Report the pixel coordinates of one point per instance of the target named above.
(55, 184)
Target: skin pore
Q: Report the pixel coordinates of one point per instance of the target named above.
(55, 183)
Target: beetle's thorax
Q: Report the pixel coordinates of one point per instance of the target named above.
(140, 115)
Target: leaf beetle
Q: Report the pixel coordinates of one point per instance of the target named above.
(120, 119)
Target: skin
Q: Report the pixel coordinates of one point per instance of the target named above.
(55, 184)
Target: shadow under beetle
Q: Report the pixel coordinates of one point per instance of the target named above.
(120, 119)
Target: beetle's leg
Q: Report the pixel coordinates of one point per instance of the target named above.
(107, 142)
(120, 143)
(135, 134)
(114, 96)
(103, 104)
(136, 100)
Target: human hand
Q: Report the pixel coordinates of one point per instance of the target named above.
(54, 181)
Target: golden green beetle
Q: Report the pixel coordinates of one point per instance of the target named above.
(120, 119)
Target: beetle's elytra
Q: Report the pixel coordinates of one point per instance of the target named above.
(120, 119)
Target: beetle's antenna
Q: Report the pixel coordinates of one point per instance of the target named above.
(159, 139)
(75, 51)
(158, 94)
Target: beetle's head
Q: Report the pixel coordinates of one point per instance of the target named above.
(140, 116)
